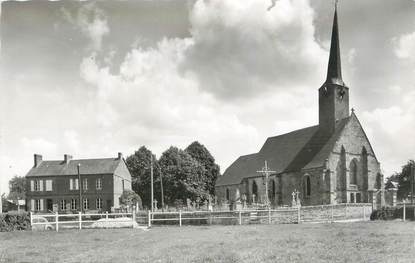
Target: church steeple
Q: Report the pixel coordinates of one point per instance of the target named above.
(334, 71)
(333, 94)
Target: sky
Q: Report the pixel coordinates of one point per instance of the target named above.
(92, 79)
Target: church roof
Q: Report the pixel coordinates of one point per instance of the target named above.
(305, 148)
(334, 71)
(88, 166)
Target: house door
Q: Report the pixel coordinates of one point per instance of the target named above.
(49, 204)
(108, 206)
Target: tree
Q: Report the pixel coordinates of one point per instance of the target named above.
(201, 154)
(182, 176)
(404, 180)
(130, 198)
(17, 188)
(139, 166)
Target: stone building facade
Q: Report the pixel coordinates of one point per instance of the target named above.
(55, 185)
(330, 163)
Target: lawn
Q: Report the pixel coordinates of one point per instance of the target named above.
(338, 242)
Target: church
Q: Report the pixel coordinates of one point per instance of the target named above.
(330, 163)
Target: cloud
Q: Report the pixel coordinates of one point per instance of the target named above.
(405, 46)
(393, 127)
(92, 22)
(240, 49)
(174, 92)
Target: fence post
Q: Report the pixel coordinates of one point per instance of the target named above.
(180, 217)
(298, 215)
(332, 213)
(364, 213)
(149, 218)
(240, 217)
(80, 220)
(31, 218)
(404, 211)
(345, 211)
(133, 217)
(269, 215)
(106, 215)
(56, 221)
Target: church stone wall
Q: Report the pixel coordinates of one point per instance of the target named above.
(368, 174)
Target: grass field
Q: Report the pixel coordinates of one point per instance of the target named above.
(339, 242)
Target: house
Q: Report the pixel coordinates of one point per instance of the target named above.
(329, 163)
(56, 186)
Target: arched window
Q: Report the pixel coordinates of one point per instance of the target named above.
(353, 172)
(255, 191)
(271, 194)
(227, 194)
(364, 169)
(307, 185)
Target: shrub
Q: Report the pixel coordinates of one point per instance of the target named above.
(13, 221)
(390, 213)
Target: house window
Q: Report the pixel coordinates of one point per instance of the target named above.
(48, 185)
(73, 204)
(99, 203)
(99, 183)
(86, 204)
(63, 205)
(38, 205)
(85, 184)
(73, 184)
(227, 194)
(123, 185)
(37, 185)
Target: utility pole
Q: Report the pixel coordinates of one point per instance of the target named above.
(412, 183)
(80, 190)
(152, 181)
(162, 194)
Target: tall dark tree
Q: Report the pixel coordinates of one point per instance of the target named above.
(201, 154)
(404, 180)
(182, 176)
(139, 166)
(17, 188)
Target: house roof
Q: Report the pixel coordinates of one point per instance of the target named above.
(305, 148)
(88, 166)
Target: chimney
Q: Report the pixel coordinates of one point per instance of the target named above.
(67, 158)
(119, 156)
(38, 159)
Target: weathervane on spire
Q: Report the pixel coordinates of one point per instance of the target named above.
(336, 3)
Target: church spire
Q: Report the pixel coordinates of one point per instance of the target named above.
(334, 71)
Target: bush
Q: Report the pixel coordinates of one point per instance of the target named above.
(14, 221)
(390, 213)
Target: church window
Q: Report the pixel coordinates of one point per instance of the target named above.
(254, 191)
(353, 172)
(351, 197)
(271, 195)
(307, 185)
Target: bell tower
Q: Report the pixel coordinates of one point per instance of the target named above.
(333, 94)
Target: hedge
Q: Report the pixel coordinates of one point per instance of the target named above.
(13, 221)
(390, 213)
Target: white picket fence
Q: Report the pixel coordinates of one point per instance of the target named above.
(58, 221)
(285, 215)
